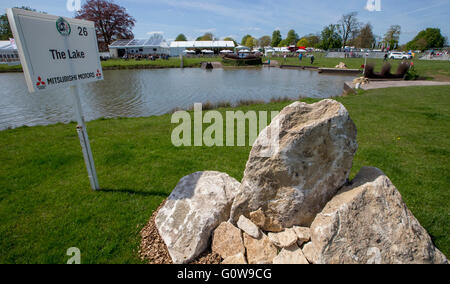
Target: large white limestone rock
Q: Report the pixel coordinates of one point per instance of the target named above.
(197, 206)
(368, 223)
(291, 181)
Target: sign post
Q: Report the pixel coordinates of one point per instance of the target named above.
(58, 52)
(84, 139)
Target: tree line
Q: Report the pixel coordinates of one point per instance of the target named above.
(113, 23)
(349, 31)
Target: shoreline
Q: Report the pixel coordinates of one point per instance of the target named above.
(348, 90)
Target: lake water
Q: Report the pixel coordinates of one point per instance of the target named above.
(135, 93)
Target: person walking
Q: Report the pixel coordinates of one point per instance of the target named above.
(385, 57)
(300, 57)
(312, 59)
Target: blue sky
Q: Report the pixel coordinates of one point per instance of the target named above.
(261, 17)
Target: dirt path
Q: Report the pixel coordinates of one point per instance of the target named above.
(273, 63)
(396, 84)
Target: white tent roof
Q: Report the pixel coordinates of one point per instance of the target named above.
(154, 41)
(207, 51)
(202, 44)
(6, 44)
(226, 51)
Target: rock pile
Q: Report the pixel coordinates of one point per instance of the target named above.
(341, 65)
(296, 205)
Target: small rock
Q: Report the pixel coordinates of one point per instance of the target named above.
(291, 255)
(309, 253)
(247, 226)
(227, 241)
(272, 225)
(258, 218)
(259, 251)
(235, 259)
(284, 239)
(267, 224)
(303, 234)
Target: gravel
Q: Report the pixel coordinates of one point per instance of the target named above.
(153, 250)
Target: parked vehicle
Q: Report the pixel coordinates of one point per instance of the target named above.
(400, 55)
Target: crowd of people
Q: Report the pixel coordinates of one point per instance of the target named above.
(151, 57)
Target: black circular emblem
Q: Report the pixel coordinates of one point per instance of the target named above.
(63, 27)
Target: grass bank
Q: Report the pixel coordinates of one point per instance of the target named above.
(46, 205)
(173, 62)
(437, 70)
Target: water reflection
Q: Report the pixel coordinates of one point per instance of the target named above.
(134, 93)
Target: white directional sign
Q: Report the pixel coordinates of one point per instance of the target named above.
(59, 52)
(55, 51)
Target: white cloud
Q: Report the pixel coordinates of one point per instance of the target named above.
(155, 32)
(206, 30)
(251, 29)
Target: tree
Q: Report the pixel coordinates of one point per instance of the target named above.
(426, 39)
(392, 37)
(331, 37)
(5, 29)
(244, 39)
(284, 43)
(292, 37)
(265, 41)
(313, 40)
(365, 38)
(206, 37)
(276, 38)
(112, 22)
(181, 37)
(251, 42)
(349, 27)
(303, 42)
(230, 39)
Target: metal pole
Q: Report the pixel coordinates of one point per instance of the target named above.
(84, 139)
(365, 64)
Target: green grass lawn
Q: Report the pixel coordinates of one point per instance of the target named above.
(431, 69)
(173, 62)
(46, 205)
(10, 68)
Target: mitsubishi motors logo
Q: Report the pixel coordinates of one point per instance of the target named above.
(40, 84)
(99, 74)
